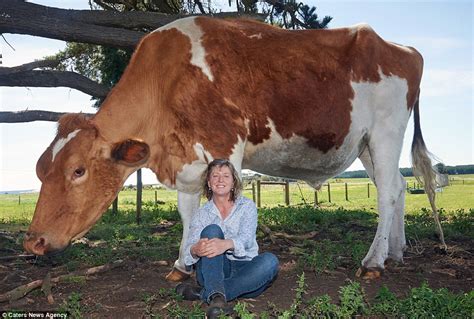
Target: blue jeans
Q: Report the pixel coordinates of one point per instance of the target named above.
(234, 278)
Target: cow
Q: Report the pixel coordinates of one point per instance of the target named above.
(297, 104)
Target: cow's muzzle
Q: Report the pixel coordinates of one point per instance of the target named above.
(35, 243)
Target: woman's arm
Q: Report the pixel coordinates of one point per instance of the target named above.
(246, 236)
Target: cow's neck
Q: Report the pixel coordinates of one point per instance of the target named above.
(124, 116)
(121, 118)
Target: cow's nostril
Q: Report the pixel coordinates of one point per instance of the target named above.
(40, 244)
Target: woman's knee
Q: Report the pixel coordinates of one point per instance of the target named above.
(212, 231)
(270, 262)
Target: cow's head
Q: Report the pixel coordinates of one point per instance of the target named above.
(81, 174)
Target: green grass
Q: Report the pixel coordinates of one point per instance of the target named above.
(420, 302)
(345, 231)
(458, 195)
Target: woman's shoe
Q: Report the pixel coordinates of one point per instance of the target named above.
(188, 291)
(218, 307)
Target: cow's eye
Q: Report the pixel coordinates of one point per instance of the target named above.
(79, 172)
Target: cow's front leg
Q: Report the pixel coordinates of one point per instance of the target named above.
(187, 204)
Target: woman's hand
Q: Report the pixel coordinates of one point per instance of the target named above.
(211, 247)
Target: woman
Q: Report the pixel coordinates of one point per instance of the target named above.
(222, 244)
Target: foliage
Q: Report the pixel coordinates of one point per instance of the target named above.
(291, 14)
(72, 305)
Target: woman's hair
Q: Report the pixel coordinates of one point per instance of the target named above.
(236, 189)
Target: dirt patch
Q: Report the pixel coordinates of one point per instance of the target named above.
(124, 292)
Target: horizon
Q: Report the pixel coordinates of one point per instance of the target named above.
(446, 91)
(35, 190)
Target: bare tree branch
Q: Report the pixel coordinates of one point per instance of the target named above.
(117, 29)
(31, 116)
(29, 66)
(49, 78)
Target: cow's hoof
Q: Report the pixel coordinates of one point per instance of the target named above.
(176, 275)
(368, 273)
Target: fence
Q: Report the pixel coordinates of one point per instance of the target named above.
(309, 195)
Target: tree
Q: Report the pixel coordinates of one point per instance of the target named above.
(102, 39)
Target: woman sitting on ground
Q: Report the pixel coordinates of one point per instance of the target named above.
(222, 244)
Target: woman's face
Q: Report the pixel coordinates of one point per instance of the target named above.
(221, 181)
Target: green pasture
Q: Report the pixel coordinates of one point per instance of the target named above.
(343, 242)
(362, 195)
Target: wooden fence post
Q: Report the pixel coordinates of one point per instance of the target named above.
(315, 198)
(19, 199)
(368, 190)
(253, 192)
(139, 195)
(329, 192)
(156, 197)
(287, 193)
(259, 200)
(115, 206)
(347, 195)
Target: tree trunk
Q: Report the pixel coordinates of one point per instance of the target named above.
(50, 78)
(116, 29)
(30, 116)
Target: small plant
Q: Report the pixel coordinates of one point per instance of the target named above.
(72, 305)
(323, 257)
(295, 306)
(352, 300)
(321, 307)
(241, 311)
(386, 303)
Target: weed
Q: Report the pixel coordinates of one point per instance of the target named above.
(241, 311)
(72, 305)
(352, 300)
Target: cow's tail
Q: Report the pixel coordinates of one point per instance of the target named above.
(422, 167)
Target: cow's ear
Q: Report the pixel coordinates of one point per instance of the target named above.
(131, 152)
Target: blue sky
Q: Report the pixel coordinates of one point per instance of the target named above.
(441, 30)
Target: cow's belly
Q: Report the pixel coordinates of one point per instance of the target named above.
(294, 158)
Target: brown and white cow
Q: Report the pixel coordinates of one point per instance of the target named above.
(297, 104)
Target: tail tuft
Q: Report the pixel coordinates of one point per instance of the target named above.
(423, 169)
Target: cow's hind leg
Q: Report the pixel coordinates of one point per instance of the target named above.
(396, 239)
(381, 161)
(187, 204)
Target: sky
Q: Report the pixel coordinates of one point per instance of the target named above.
(441, 30)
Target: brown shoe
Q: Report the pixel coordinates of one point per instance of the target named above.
(188, 291)
(218, 307)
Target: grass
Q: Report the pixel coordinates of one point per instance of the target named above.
(459, 195)
(420, 302)
(345, 231)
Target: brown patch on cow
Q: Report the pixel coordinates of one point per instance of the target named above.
(300, 80)
(176, 100)
(71, 122)
(376, 55)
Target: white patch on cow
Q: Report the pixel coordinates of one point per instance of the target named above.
(294, 158)
(188, 27)
(256, 36)
(62, 142)
(189, 178)
(187, 205)
(238, 154)
(381, 110)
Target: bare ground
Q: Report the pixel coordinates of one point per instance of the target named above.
(120, 292)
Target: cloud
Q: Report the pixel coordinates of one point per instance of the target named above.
(447, 82)
(437, 44)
